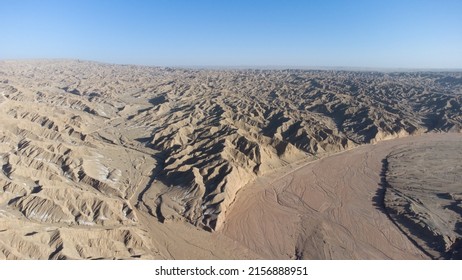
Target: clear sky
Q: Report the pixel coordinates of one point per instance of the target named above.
(366, 33)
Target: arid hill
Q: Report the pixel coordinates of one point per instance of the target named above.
(99, 160)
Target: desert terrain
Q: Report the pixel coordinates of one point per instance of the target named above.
(103, 161)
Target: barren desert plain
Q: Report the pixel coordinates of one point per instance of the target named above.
(103, 161)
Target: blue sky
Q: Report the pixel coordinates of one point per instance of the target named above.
(373, 33)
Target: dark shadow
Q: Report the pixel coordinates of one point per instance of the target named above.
(444, 195)
(138, 113)
(154, 173)
(274, 123)
(36, 189)
(7, 168)
(379, 198)
(379, 203)
(157, 100)
(455, 252)
(433, 121)
(14, 200)
(159, 214)
(57, 251)
(143, 192)
(450, 81)
(73, 91)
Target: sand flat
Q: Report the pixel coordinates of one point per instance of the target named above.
(423, 194)
(327, 209)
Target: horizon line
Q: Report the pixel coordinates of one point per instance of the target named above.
(256, 67)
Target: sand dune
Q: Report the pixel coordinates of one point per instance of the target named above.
(151, 158)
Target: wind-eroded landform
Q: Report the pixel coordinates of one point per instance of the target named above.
(120, 161)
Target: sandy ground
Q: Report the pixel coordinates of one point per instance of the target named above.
(423, 194)
(101, 161)
(328, 209)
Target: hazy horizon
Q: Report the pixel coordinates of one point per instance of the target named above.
(369, 35)
(255, 67)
